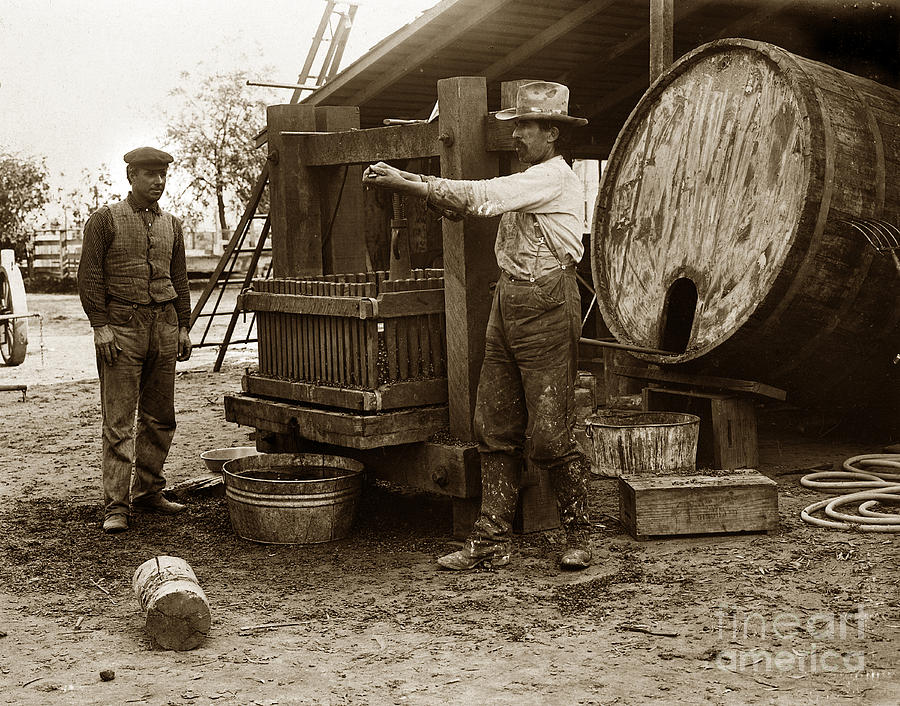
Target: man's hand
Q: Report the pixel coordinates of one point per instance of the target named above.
(184, 343)
(105, 343)
(384, 176)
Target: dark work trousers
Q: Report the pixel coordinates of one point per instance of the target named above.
(526, 399)
(142, 379)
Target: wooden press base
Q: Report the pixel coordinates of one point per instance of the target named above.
(350, 429)
(743, 501)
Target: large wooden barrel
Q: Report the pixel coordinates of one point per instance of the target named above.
(723, 229)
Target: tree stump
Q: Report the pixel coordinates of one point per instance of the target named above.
(175, 607)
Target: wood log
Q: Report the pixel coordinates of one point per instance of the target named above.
(176, 609)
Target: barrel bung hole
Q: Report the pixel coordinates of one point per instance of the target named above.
(678, 315)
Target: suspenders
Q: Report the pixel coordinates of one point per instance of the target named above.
(544, 241)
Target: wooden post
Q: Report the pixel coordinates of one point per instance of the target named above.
(661, 31)
(293, 197)
(175, 607)
(345, 250)
(469, 262)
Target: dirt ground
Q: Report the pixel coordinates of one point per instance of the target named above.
(802, 615)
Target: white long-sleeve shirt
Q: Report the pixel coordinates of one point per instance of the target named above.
(550, 191)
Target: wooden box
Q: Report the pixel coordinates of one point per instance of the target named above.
(743, 501)
(359, 342)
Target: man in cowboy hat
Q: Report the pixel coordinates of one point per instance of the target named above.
(132, 279)
(525, 400)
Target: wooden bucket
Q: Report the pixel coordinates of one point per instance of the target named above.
(723, 222)
(292, 498)
(627, 443)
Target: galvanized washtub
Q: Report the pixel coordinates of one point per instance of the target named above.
(292, 498)
(643, 443)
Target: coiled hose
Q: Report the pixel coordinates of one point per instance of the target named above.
(881, 487)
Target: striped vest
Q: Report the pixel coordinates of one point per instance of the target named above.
(137, 264)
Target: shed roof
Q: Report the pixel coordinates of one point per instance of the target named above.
(599, 48)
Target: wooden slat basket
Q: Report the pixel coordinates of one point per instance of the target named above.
(352, 341)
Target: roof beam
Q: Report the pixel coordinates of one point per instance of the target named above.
(730, 30)
(541, 40)
(485, 10)
(380, 50)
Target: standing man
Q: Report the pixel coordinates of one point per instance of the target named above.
(526, 400)
(133, 284)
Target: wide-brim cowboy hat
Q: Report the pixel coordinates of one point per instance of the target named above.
(541, 100)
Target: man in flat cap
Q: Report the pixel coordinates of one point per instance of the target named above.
(133, 284)
(525, 402)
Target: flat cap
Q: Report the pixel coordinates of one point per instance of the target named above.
(145, 156)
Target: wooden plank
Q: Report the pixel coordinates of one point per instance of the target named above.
(402, 329)
(443, 469)
(399, 395)
(292, 371)
(362, 146)
(327, 92)
(321, 350)
(465, 513)
(537, 509)
(389, 304)
(372, 353)
(540, 40)
(707, 381)
(424, 336)
(294, 200)
(279, 334)
(303, 304)
(304, 332)
(661, 42)
(475, 16)
(409, 303)
(469, 259)
(679, 505)
(734, 433)
(347, 429)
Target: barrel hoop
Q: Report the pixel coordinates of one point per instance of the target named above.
(289, 501)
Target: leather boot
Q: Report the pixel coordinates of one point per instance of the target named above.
(571, 484)
(157, 503)
(489, 542)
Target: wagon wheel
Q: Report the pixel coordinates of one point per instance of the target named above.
(13, 332)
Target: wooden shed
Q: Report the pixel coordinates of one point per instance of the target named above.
(382, 366)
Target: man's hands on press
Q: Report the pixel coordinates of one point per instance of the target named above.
(384, 176)
(184, 343)
(106, 345)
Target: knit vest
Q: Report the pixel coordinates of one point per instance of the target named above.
(137, 264)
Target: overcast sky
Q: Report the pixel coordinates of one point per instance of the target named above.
(84, 81)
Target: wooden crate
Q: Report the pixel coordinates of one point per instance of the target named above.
(359, 342)
(703, 504)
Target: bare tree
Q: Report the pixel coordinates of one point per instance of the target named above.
(212, 132)
(94, 189)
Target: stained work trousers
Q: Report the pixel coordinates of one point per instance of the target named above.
(525, 404)
(142, 380)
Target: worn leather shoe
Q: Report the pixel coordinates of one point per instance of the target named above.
(157, 503)
(115, 523)
(476, 554)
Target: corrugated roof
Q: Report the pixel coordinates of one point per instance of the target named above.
(599, 48)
